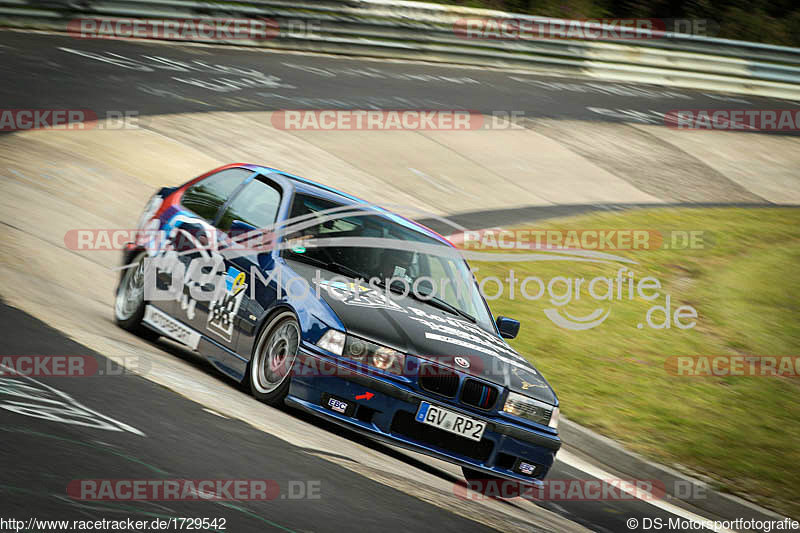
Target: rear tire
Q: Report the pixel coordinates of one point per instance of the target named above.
(273, 358)
(129, 302)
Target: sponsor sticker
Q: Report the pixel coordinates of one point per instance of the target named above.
(170, 327)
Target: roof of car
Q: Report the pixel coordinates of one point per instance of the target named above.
(307, 186)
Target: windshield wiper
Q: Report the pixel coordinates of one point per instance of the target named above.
(441, 304)
(329, 265)
(434, 301)
(346, 270)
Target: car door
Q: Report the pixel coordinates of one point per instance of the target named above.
(191, 231)
(247, 219)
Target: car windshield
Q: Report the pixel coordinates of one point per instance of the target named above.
(354, 241)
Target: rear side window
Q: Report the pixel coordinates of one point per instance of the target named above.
(207, 196)
(256, 204)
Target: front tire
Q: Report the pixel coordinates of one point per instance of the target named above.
(129, 302)
(273, 359)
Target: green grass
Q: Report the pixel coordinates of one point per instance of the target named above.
(744, 432)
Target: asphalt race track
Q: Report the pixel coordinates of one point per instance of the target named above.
(185, 442)
(102, 75)
(181, 420)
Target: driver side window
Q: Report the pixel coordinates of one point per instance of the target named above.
(256, 204)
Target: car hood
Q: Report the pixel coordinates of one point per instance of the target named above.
(416, 328)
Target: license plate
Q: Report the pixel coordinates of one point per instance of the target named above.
(442, 418)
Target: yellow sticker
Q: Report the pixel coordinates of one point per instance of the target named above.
(238, 283)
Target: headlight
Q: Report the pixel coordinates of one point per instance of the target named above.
(333, 341)
(363, 351)
(534, 410)
(375, 355)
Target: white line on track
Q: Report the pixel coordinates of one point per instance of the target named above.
(575, 462)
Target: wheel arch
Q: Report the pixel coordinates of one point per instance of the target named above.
(263, 322)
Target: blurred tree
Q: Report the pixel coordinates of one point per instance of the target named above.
(770, 21)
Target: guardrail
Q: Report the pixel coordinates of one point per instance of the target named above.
(421, 31)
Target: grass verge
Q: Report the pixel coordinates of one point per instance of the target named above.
(743, 432)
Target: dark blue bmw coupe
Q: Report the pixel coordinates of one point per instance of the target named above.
(343, 309)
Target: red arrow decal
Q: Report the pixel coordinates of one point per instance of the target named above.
(365, 396)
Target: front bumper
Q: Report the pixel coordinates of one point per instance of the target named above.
(388, 415)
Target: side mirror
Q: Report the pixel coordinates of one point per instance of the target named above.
(508, 327)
